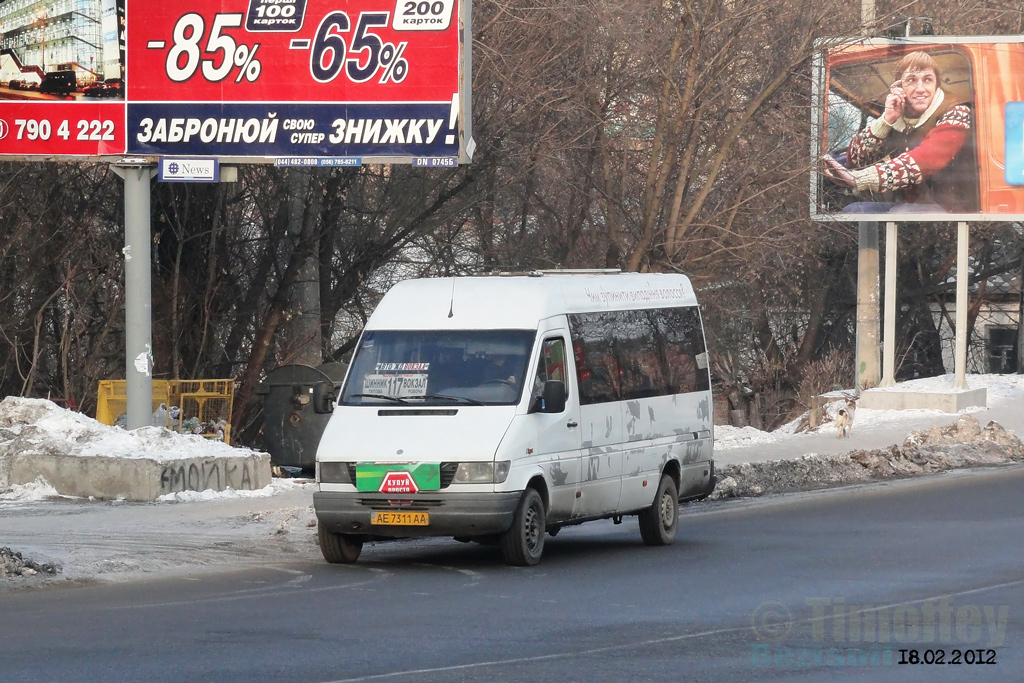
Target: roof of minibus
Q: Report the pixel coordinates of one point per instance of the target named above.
(521, 301)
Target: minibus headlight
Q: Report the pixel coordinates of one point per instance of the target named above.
(334, 472)
(481, 472)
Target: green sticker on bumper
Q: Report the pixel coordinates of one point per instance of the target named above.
(410, 477)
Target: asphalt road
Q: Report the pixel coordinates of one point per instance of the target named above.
(790, 588)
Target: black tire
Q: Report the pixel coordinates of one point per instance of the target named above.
(523, 544)
(338, 548)
(658, 523)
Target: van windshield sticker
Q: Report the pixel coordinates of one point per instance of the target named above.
(702, 361)
(397, 386)
(402, 367)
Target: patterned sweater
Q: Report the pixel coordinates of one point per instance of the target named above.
(927, 160)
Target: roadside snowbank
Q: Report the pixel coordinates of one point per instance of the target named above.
(963, 444)
(1000, 388)
(33, 425)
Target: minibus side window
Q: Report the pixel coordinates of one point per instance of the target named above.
(550, 365)
(639, 353)
(622, 355)
(597, 365)
(553, 360)
(680, 331)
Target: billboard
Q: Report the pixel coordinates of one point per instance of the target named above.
(295, 82)
(922, 128)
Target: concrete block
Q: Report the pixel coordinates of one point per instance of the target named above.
(140, 479)
(952, 401)
(5, 471)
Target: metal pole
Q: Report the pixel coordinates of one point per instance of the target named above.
(1020, 320)
(889, 322)
(962, 276)
(138, 295)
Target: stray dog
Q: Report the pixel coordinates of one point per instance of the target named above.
(844, 419)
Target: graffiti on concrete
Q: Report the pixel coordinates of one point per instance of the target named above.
(207, 474)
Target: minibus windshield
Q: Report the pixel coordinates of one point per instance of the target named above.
(439, 367)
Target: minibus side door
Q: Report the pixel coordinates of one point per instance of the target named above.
(558, 434)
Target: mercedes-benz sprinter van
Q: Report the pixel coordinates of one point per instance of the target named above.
(502, 408)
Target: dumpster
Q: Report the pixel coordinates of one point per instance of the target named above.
(189, 406)
(291, 429)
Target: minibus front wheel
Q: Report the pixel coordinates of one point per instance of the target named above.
(338, 548)
(523, 544)
(658, 523)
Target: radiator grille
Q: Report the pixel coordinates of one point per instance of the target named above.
(401, 503)
(448, 473)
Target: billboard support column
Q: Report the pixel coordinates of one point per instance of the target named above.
(138, 294)
(867, 305)
(302, 326)
(889, 322)
(962, 277)
(867, 271)
(867, 16)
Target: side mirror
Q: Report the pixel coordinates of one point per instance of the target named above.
(323, 398)
(552, 398)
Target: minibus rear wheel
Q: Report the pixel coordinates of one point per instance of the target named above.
(522, 545)
(338, 548)
(658, 523)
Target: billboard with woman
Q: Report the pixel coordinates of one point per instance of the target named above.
(921, 128)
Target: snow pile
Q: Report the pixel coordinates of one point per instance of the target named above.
(1000, 388)
(962, 444)
(727, 436)
(276, 486)
(12, 564)
(27, 493)
(32, 425)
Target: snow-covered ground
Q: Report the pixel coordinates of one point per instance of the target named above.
(54, 428)
(109, 540)
(22, 494)
(43, 426)
(1003, 391)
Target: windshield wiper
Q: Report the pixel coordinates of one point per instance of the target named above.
(470, 401)
(381, 396)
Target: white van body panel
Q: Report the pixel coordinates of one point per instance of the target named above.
(601, 459)
(651, 446)
(542, 443)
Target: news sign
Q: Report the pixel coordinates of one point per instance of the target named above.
(259, 80)
(922, 128)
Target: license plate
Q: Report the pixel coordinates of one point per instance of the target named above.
(400, 518)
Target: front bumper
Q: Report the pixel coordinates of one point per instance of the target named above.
(451, 514)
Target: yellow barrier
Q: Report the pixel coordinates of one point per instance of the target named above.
(191, 406)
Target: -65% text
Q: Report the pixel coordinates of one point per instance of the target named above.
(363, 58)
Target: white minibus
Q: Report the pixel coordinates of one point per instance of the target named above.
(503, 408)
